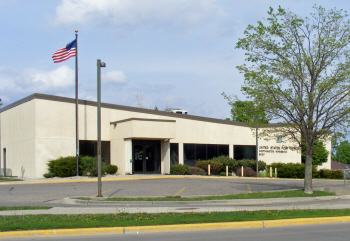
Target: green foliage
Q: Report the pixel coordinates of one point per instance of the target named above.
(88, 166)
(247, 172)
(342, 152)
(67, 167)
(197, 171)
(252, 164)
(224, 174)
(179, 169)
(246, 111)
(111, 169)
(45, 221)
(7, 179)
(331, 174)
(49, 175)
(254, 195)
(298, 72)
(215, 166)
(291, 170)
(63, 166)
(320, 154)
(226, 161)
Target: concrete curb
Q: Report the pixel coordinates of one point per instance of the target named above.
(72, 200)
(171, 228)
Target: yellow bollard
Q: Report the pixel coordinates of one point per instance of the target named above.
(242, 171)
(209, 170)
(275, 172)
(226, 171)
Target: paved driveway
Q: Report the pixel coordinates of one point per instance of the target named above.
(40, 193)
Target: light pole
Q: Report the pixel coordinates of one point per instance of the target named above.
(99, 65)
(257, 150)
(0, 140)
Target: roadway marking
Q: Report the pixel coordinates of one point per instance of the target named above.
(102, 192)
(179, 192)
(249, 190)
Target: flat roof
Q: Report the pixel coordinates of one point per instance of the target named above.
(126, 108)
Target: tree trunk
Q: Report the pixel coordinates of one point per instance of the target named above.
(308, 171)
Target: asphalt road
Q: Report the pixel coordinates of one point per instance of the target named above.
(324, 232)
(38, 194)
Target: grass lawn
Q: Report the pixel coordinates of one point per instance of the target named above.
(6, 179)
(257, 195)
(22, 208)
(31, 222)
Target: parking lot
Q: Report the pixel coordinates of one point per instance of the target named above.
(40, 193)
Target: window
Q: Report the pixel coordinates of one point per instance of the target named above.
(89, 148)
(189, 154)
(195, 152)
(279, 139)
(244, 152)
(174, 153)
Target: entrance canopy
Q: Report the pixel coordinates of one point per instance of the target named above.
(139, 128)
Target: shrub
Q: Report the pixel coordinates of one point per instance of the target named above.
(332, 174)
(320, 153)
(247, 172)
(88, 164)
(63, 166)
(197, 171)
(179, 169)
(291, 170)
(111, 169)
(49, 175)
(215, 166)
(67, 167)
(226, 161)
(224, 173)
(261, 166)
(252, 164)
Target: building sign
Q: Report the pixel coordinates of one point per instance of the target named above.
(272, 149)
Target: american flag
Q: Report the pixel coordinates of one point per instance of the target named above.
(66, 52)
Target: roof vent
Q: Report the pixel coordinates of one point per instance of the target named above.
(176, 110)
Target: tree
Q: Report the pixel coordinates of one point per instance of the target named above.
(342, 152)
(299, 73)
(245, 111)
(319, 154)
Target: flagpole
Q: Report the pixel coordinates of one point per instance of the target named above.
(76, 104)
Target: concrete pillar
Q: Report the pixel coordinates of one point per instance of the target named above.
(230, 150)
(181, 153)
(165, 155)
(128, 156)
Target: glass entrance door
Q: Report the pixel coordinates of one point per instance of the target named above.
(146, 156)
(138, 158)
(150, 158)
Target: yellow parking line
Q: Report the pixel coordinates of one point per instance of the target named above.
(179, 192)
(249, 190)
(102, 192)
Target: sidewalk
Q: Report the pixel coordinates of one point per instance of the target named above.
(232, 205)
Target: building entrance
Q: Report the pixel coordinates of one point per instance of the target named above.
(146, 156)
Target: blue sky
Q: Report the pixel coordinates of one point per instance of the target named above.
(172, 53)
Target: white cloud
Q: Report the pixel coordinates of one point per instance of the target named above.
(179, 14)
(61, 77)
(117, 77)
(33, 81)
